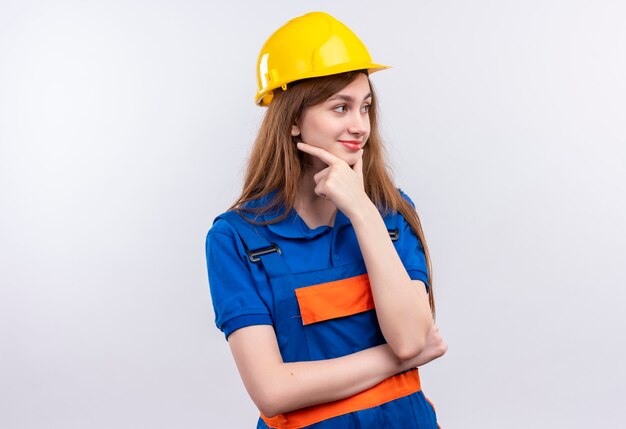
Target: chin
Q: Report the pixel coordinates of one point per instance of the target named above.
(350, 160)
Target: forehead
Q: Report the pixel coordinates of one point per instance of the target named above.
(358, 89)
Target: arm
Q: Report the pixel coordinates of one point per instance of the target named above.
(277, 387)
(401, 303)
(274, 386)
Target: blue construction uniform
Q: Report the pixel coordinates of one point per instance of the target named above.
(278, 274)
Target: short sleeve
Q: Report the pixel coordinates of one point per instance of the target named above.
(237, 301)
(411, 250)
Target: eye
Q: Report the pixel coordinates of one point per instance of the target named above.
(366, 108)
(341, 108)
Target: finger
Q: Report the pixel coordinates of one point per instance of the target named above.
(321, 175)
(324, 156)
(319, 191)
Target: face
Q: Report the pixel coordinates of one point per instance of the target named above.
(339, 125)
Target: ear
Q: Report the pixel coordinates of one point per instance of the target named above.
(295, 130)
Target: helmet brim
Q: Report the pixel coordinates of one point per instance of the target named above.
(264, 97)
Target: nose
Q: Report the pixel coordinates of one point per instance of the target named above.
(359, 123)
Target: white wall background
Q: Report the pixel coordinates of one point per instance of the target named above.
(124, 128)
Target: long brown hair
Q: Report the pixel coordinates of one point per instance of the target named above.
(275, 163)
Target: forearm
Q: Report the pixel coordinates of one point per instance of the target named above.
(277, 387)
(308, 383)
(402, 309)
(314, 382)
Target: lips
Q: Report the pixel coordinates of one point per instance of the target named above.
(353, 145)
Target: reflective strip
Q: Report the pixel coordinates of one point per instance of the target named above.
(392, 388)
(335, 299)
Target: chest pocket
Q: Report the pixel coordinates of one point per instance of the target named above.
(334, 299)
(338, 317)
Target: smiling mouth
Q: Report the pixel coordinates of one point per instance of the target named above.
(353, 145)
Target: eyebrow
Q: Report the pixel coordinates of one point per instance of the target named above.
(347, 98)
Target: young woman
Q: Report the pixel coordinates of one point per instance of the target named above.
(319, 272)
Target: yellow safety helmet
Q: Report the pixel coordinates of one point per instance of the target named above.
(312, 45)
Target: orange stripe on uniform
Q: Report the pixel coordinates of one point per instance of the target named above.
(335, 299)
(392, 388)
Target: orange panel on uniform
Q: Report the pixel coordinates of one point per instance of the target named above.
(335, 299)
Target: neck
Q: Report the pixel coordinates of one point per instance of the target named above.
(313, 209)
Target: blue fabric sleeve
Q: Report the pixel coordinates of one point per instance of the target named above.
(236, 299)
(411, 250)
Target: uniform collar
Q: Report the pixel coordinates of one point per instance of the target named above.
(293, 226)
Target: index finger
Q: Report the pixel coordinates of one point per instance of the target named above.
(323, 155)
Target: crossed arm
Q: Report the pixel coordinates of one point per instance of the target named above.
(277, 387)
(401, 306)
